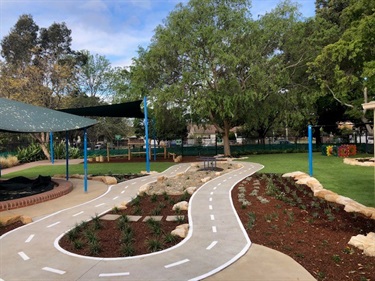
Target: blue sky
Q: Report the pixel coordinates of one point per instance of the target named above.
(112, 28)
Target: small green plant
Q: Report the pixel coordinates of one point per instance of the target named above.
(177, 210)
(95, 247)
(251, 220)
(154, 245)
(180, 219)
(136, 201)
(115, 210)
(127, 250)
(156, 211)
(73, 234)
(170, 238)
(336, 258)
(90, 236)
(137, 211)
(321, 275)
(97, 222)
(165, 196)
(155, 226)
(185, 196)
(77, 244)
(154, 198)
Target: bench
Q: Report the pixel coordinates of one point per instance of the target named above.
(208, 162)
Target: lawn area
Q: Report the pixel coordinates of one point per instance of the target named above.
(355, 182)
(93, 168)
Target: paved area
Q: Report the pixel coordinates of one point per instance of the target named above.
(217, 247)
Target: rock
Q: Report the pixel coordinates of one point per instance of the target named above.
(181, 230)
(9, 219)
(178, 159)
(26, 219)
(217, 174)
(144, 189)
(206, 179)
(365, 243)
(190, 190)
(293, 174)
(109, 180)
(183, 206)
(161, 179)
(322, 193)
(105, 179)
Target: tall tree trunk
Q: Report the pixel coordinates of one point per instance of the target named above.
(43, 139)
(226, 140)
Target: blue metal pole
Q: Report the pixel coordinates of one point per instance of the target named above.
(154, 131)
(146, 132)
(67, 154)
(310, 150)
(51, 147)
(85, 158)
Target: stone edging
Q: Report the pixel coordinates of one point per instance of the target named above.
(355, 162)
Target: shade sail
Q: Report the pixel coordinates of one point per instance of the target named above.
(25, 118)
(127, 109)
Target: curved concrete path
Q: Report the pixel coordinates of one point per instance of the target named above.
(216, 239)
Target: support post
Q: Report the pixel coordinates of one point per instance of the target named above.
(67, 154)
(146, 133)
(310, 151)
(85, 158)
(51, 147)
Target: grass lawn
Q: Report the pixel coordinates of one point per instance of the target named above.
(93, 168)
(355, 182)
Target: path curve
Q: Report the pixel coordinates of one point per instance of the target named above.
(215, 240)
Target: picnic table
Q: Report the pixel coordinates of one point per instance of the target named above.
(209, 162)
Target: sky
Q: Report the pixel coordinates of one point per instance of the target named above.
(111, 28)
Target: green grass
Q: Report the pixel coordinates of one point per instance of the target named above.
(355, 182)
(96, 168)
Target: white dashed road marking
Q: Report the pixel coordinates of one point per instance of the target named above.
(23, 256)
(80, 213)
(53, 270)
(115, 198)
(114, 274)
(100, 205)
(210, 207)
(176, 263)
(29, 238)
(212, 217)
(51, 225)
(211, 245)
(214, 230)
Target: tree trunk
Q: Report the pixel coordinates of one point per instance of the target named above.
(43, 139)
(226, 140)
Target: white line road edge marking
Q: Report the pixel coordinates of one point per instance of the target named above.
(212, 217)
(99, 205)
(214, 230)
(114, 198)
(53, 270)
(51, 225)
(210, 207)
(23, 256)
(176, 263)
(114, 274)
(29, 238)
(80, 213)
(211, 245)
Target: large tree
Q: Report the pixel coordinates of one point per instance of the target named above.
(344, 69)
(39, 67)
(213, 59)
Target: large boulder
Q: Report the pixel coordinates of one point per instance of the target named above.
(182, 206)
(365, 243)
(181, 230)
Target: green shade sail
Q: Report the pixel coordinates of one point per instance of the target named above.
(128, 109)
(25, 118)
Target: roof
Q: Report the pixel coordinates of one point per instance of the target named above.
(127, 109)
(25, 118)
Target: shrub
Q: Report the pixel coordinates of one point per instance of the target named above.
(9, 161)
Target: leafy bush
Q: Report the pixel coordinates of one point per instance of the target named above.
(31, 153)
